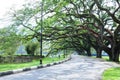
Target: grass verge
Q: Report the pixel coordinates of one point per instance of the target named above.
(12, 66)
(112, 74)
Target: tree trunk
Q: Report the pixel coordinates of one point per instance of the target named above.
(115, 43)
(99, 53)
(88, 52)
(110, 56)
(116, 54)
(116, 57)
(108, 51)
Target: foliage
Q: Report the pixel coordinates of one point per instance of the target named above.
(9, 40)
(74, 24)
(31, 47)
(6, 67)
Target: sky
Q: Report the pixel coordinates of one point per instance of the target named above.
(5, 6)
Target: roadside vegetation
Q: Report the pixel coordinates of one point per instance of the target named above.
(12, 66)
(112, 74)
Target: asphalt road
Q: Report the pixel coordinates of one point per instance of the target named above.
(78, 68)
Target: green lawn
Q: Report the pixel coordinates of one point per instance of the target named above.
(105, 58)
(6, 67)
(112, 74)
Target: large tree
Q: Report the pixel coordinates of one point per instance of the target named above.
(81, 24)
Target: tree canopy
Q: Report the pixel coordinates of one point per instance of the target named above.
(74, 25)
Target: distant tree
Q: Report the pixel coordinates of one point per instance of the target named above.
(31, 47)
(9, 40)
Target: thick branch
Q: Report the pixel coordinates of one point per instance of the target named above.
(108, 12)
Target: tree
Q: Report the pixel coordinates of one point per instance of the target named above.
(81, 23)
(9, 40)
(112, 12)
(31, 47)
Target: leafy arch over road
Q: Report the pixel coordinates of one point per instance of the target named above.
(74, 24)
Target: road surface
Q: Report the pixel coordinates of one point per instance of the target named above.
(78, 68)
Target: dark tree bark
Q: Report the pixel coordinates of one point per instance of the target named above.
(88, 52)
(99, 53)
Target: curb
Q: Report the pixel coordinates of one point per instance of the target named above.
(32, 68)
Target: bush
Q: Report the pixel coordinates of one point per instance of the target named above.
(31, 48)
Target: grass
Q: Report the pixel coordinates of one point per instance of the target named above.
(112, 74)
(105, 58)
(12, 66)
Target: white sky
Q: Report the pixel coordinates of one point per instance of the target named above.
(5, 6)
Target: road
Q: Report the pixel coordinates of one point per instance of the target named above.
(78, 68)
